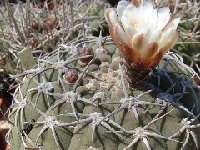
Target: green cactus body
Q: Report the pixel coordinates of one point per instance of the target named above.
(100, 111)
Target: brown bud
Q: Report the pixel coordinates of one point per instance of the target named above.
(71, 76)
(33, 42)
(53, 4)
(52, 23)
(34, 25)
(84, 52)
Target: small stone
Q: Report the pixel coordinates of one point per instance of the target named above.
(104, 67)
(104, 70)
(111, 48)
(85, 80)
(115, 63)
(93, 85)
(104, 57)
(93, 67)
(82, 90)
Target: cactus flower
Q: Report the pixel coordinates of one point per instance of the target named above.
(142, 33)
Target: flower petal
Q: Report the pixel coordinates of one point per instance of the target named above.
(113, 35)
(118, 36)
(143, 34)
(138, 41)
(121, 34)
(173, 24)
(151, 50)
(131, 13)
(163, 13)
(121, 7)
(155, 59)
(155, 36)
(130, 31)
(146, 6)
(111, 16)
(163, 17)
(168, 40)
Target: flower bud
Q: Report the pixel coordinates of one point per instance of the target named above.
(85, 52)
(71, 76)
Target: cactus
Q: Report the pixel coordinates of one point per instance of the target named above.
(100, 110)
(78, 97)
(188, 45)
(27, 25)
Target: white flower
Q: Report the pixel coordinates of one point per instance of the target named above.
(143, 34)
